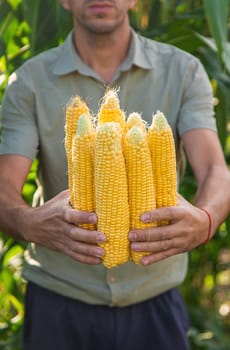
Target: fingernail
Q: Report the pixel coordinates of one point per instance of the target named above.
(135, 246)
(101, 237)
(145, 217)
(99, 252)
(144, 262)
(92, 218)
(132, 236)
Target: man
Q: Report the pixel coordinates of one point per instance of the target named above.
(73, 301)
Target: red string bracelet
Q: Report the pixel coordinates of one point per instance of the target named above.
(210, 225)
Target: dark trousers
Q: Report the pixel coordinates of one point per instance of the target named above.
(54, 322)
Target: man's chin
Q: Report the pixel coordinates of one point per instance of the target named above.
(99, 28)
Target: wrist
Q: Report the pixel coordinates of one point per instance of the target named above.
(22, 218)
(210, 225)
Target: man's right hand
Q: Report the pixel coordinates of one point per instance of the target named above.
(55, 225)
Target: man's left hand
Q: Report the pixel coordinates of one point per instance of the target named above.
(188, 228)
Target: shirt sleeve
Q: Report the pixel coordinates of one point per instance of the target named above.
(19, 134)
(197, 109)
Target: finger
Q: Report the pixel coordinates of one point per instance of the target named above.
(170, 248)
(88, 249)
(62, 196)
(79, 248)
(153, 247)
(153, 258)
(85, 259)
(90, 253)
(77, 217)
(172, 213)
(143, 235)
(83, 235)
(151, 234)
(179, 244)
(182, 200)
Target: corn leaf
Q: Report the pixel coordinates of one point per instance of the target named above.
(217, 16)
(45, 23)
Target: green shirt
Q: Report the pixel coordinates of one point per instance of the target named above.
(154, 76)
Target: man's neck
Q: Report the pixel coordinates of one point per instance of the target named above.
(103, 52)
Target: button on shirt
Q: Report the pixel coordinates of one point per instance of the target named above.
(154, 76)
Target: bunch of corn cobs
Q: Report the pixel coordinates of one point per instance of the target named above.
(119, 168)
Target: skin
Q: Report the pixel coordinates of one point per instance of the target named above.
(97, 33)
(99, 26)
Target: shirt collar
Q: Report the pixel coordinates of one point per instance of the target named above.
(137, 55)
(68, 60)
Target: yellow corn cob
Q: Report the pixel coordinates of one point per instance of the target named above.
(83, 168)
(162, 147)
(140, 181)
(111, 194)
(110, 110)
(135, 119)
(75, 108)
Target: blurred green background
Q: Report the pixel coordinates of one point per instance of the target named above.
(198, 26)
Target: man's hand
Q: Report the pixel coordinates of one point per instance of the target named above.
(188, 228)
(55, 225)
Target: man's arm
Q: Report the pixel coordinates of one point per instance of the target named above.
(53, 225)
(205, 155)
(13, 173)
(189, 225)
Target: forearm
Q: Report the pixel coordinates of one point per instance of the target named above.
(13, 211)
(213, 194)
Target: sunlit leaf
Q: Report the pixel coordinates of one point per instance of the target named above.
(2, 79)
(4, 24)
(44, 23)
(217, 15)
(14, 3)
(11, 30)
(13, 256)
(226, 56)
(6, 281)
(210, 42)
(18, 306)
